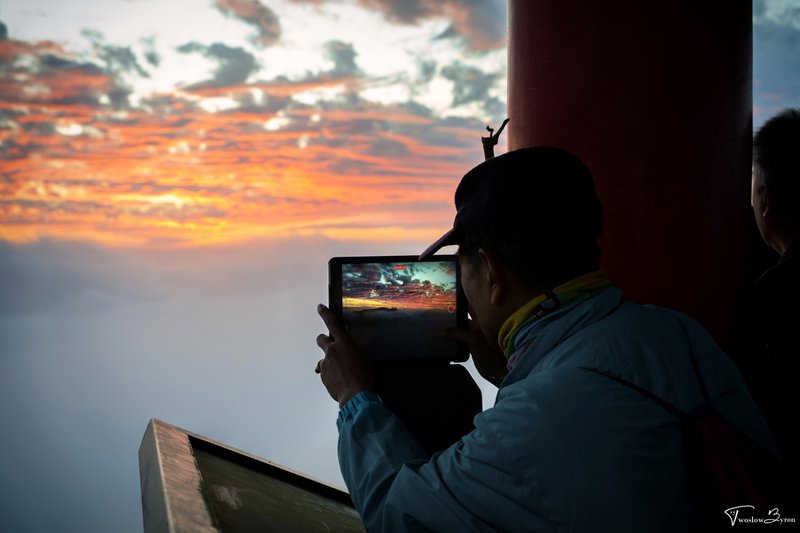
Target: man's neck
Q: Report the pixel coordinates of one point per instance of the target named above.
(783, 232)
(790, 245)
(783, 243)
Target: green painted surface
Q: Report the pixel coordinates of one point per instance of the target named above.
(250, 497)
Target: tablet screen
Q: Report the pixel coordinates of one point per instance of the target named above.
(396, 308)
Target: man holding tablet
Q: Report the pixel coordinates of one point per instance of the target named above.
(575, 441)
(395, 309)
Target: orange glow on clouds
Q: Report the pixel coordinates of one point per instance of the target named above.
(172, 170)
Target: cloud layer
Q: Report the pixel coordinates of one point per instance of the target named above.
(256, 14)
(480, 24)
(234, 154)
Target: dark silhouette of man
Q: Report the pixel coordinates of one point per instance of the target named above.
(775, 311)
(567, 446)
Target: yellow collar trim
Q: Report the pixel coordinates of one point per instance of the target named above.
(570, 291)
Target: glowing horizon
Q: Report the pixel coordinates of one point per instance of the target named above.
(440, 301)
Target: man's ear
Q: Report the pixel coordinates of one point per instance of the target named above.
(495, 277)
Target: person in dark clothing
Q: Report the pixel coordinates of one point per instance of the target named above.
(775, 309)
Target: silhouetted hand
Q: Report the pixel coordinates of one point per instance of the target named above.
(343, 369)
(488, 358)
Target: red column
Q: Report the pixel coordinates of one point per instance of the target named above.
(656, 97)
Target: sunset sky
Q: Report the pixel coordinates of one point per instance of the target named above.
(175, 175)
(197, 122)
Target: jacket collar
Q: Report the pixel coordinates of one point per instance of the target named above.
(538, 338)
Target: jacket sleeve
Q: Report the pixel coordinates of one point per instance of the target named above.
(396, 488)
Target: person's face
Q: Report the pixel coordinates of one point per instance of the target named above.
(759, 204)
(478, 297)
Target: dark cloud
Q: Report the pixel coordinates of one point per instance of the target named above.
(416, 108)
(380, 131)
(152, 57)
(95, 36)
(480, 24)
(255, 14)
(387, 148)
(44, 73)
(234, 64)
(47, 209)
(427, 69)
(269, 199)
(343, 166)
(470, 84)
(374, 136)
(404, 11)
(121, 59)
(343, 56)
(49, 62)
(39, 128)
(441, 135)
(151, 186)
(150, 54)
(483, 25)
(51, 209)
(248, 103)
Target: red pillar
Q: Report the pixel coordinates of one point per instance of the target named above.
(656, 97)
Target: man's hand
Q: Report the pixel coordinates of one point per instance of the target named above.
(343, 369)
(488, 358)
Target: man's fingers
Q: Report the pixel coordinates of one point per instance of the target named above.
(323, 341)
(333, 324)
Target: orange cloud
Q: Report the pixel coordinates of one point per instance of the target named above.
(169, 170)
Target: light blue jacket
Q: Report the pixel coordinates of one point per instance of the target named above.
(564, 448)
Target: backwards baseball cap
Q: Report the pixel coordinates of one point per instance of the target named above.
(540, 198)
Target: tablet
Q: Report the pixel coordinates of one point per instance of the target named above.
(396, 307)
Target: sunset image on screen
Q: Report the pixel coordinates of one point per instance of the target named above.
(399, 310)
(399, 286)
